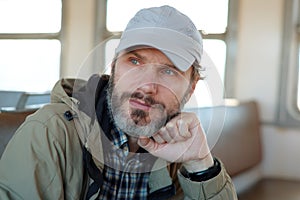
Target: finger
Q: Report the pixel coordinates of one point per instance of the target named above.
(143, 141)
(183, 128)
(172, 131)
(164, 135)
(178, 129)
(158, 138)
(164, 151)
(148, 144)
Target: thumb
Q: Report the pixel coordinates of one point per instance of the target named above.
(145, 143)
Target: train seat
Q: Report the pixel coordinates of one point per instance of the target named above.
(15, 100)
(9, 122)
(239, 146)
(9, 98)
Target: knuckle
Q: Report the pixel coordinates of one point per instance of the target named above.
(162, 130)
(170, 125)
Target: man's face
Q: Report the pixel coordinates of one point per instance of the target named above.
(146, 91)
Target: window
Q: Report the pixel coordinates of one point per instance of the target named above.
(214, 10)
(289, 96)
(29, 44)
(210, 17)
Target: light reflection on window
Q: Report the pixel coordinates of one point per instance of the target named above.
(30, 16)
(29, 65)
(208, 15)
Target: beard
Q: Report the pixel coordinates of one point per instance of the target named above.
(137, 122)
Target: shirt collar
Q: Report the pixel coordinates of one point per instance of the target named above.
(119, 138)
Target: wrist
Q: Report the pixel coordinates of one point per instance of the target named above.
(199, 165)
(204, 175)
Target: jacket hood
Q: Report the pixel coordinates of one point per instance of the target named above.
(85, 93)
(63, 90)
(82, 98)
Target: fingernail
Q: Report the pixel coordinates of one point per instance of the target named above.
(143, 141)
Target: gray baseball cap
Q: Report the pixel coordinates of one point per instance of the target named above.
(167, 30)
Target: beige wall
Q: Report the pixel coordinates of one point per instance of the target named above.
(259, 52)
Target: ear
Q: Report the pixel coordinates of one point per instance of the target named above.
(191, 90)
(113, 65)
(193, 86)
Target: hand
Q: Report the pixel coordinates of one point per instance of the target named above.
(181, 140)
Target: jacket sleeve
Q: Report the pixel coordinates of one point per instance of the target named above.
(35, 165)
(217, 188)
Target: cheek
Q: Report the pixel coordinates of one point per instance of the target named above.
(128, 80)
(121, 77)
(175, 92)
(122, 83)
(170, 97)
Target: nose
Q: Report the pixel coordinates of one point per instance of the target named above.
(148, 80)
(149, 88)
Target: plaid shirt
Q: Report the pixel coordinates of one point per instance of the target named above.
(123, 175)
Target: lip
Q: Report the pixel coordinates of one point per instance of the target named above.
(136, 103)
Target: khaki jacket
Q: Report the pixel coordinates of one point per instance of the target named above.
(44, 158)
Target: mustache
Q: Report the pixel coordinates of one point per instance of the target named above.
(146, 98)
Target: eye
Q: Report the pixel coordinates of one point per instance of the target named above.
(134, 61)
(169, 71)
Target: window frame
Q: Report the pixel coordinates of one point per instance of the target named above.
(288, 113)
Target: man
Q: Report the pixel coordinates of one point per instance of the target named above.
(124, 136)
